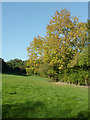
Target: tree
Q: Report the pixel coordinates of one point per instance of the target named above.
(66, 37)
(35, 53)
(16, 66)
(80, 59)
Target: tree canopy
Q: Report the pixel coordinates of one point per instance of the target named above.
(65, 38)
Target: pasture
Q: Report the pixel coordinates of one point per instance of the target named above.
(36, 97)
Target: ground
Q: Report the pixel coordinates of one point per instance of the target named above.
(36, 97)
(67, 84)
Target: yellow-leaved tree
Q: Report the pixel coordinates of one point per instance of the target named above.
(65, 37)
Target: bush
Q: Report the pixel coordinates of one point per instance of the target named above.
(74, 78)
(52, 74)
(65, 77)
(80, 77)
(43, 69)
(83, 77)
(60, 77)
(29, 71)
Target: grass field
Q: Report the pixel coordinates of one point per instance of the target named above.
(35, 97)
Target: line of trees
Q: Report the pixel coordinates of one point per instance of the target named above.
(15, 66)
(63, 53)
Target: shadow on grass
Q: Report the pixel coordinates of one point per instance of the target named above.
(19, 74)
(36, 109)
(84, 115)
(24, 110)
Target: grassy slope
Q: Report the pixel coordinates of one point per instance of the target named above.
(35, 97)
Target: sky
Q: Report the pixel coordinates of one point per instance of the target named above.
(22, 21)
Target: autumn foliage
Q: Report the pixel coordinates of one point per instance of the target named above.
(54, 53)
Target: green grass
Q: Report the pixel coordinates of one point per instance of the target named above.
(35, 97)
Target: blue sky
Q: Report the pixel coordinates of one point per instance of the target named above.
(21, 22)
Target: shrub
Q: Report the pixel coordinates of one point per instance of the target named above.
(52, 74)
(83, 77)
(74, 78)
(80, 77)
(43, 69)
(65, 77)
(60, 77)
(29, 71)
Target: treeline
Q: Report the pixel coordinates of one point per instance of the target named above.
(62, 54)
(15, 66)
